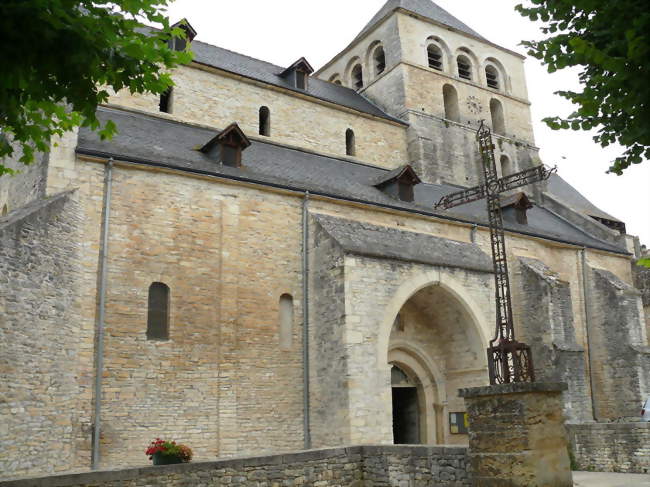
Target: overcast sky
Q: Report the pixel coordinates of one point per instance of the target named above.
(281, 31)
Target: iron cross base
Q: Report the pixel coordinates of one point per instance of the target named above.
(510, 361)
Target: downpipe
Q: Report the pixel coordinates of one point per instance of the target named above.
(305, 321)
(101, 316)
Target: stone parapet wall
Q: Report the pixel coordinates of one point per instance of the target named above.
(611, 447)
(356, 466)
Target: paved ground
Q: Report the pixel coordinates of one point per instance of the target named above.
(596, 479)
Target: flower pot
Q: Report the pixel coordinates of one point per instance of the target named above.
(160, 459)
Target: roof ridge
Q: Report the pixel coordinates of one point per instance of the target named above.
(424, 8)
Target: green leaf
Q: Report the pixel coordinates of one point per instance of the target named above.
(609, 44)
(43, 94)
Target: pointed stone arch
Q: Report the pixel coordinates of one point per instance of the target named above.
(434, 331)
(479, 320)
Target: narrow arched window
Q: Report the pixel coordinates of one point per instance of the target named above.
(165, 102)
(492, 77)
(158, 312)
(379, 58)
(350, 143)
(286, 321)
(450, 96)
(338, 82)
(357, 77)
(434, 55)
(464, 67)
(265, 121)
(5, 210)
(498, 120)
(506, 166)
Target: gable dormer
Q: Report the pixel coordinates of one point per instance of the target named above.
(515, 208)
(178, 43)
(297, 75)
(398, 183)
(227, 146)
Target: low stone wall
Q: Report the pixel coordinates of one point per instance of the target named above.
(611, 447)
(356, 466)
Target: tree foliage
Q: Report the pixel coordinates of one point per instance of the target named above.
(610, 43)
(60, 58)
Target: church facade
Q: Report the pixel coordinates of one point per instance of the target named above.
(254, 263)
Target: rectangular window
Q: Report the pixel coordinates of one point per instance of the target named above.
(301, 81)
(405, 191)
(230, 155)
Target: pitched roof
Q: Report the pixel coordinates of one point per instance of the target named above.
(575, 200)
(398, 173)
(364, 238)
(423, 8)
(300, 63)
(232, 129)
(151, 140)
(248, 67)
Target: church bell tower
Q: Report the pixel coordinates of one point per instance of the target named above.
(424, 66)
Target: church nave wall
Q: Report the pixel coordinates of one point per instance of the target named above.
(221, 383)
(214, 99)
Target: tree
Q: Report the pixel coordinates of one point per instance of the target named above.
(60, 58)
(610, 42)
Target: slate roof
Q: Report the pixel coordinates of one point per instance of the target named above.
(571, 197)
(363, 238)
(423, 8)
(152, 140)
(248, 67)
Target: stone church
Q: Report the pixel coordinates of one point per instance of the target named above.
(254, 263)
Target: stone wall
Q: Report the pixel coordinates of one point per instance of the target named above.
(328, 373)
(443, 151)
(611, 447)
(44, 421)
(227, 259)
(216, 99)
(517, 436)
(355, 466)
(26, 185)
(620, 356)
(543, 314)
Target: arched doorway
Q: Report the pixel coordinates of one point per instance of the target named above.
(435, 348)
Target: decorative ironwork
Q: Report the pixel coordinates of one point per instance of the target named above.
(508, 359)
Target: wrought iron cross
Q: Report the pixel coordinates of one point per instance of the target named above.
(508, 359)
